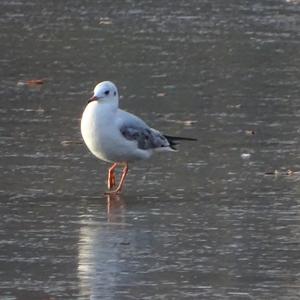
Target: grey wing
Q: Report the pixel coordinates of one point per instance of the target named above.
(146, 137)
(135, 129)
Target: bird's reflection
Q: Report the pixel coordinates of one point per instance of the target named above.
(99, 247)
(116, 208)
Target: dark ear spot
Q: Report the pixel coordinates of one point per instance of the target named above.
(115, 93)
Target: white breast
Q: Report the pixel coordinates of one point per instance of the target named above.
(103, 137)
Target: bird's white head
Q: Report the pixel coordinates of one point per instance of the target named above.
(105, 91)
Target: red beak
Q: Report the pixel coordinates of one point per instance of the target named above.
(94, 98)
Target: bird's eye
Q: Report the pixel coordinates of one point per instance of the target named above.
(106, 92)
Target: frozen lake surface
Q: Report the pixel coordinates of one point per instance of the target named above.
(204, 223)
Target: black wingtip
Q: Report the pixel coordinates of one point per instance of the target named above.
(179, 138)
(172, 140)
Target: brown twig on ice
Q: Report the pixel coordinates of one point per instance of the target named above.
(35, 81)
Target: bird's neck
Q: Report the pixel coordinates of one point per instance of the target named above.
(109, 106)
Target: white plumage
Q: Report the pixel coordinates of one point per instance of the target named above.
(117, 136)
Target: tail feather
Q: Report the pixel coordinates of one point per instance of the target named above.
(172, 140)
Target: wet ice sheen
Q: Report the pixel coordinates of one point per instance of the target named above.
(203, 223)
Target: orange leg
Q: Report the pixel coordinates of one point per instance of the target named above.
(111, 180)
(119, 188)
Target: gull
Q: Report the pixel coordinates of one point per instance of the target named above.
(117, 136)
